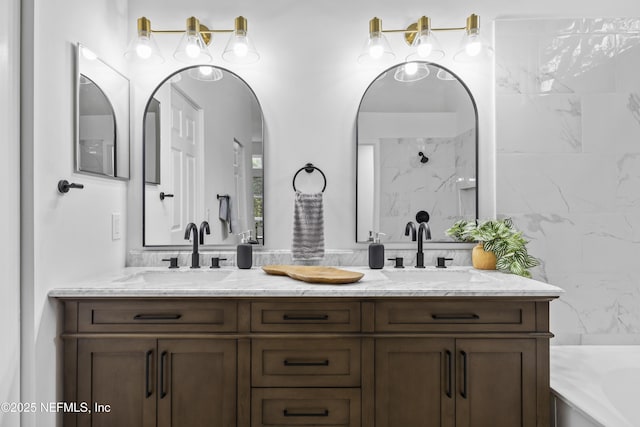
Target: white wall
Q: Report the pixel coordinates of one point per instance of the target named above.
(309, 85)
(65, 237)
(10, 212)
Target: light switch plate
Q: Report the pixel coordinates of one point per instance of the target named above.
(115, 226)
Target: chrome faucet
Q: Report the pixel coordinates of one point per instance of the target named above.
(192, 230)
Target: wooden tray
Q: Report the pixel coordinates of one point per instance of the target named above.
(314, 274)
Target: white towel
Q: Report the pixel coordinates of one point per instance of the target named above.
(308, 227)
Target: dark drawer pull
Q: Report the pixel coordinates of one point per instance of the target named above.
(449, 373)
(305, 317)
(307, 363)
(463, 316)
(157, 316)
(163, 391)
(465, 374)
(307, 413)
(147, 368)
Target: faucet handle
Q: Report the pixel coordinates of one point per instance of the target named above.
(398, 260)
(173, 262)
(215, 262)
(441, 262)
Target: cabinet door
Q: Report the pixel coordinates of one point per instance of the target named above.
(196, 383)
(118, 373)
(496, 383)
(414, 382)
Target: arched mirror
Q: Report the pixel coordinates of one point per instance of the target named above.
(203, 158)
(417, 143)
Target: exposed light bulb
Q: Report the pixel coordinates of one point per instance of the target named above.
(424, 49)
(473, 46)
(205, 71)
(143, 50)
(240, 47)
(192, 49)
(376, 47)
(410, 68)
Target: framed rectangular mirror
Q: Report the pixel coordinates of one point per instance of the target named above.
(102, 117)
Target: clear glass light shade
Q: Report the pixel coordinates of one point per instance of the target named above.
(444, 75)
(144, 49)
(426, 47)
(206, 73)
(376, 49)
(240, 49)
(411, 72)
(192, 49)
(473, 48)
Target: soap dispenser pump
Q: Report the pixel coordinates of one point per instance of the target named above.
(376, 252)
(244, 251)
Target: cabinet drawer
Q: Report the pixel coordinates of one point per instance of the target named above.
(305, 362)
(157, 316)
(305, 407)
(305, 317)
(455, 316)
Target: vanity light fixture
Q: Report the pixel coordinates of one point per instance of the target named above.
(424, 43)
(193, 46)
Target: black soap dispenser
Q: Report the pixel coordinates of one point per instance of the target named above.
(244, 251)
(376, 252)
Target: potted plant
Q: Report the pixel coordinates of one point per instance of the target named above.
(500, 245)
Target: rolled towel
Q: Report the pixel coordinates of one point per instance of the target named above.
(308, 227)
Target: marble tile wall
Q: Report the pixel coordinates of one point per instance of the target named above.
(409, 186)
(568, 165)
(333, 257)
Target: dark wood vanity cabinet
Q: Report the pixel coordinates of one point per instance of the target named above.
(434, 382)
(383, 362)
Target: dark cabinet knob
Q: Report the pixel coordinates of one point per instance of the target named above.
(164, 195)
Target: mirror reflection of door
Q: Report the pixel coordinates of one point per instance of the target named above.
(186, 160)
(209, 143)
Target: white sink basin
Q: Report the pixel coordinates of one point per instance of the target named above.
(411, 274)
(201, 276)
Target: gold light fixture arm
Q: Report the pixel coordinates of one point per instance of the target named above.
(193, 24)
(375, 25)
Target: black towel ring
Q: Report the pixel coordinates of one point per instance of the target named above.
(308, 168)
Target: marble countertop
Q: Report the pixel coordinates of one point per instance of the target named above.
(232, 282)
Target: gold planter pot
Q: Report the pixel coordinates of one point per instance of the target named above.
(481, 259)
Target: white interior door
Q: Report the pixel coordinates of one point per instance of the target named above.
(185, 162)
(239, 213)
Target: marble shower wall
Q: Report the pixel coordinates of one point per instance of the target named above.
(568, 165)
(408, 186)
